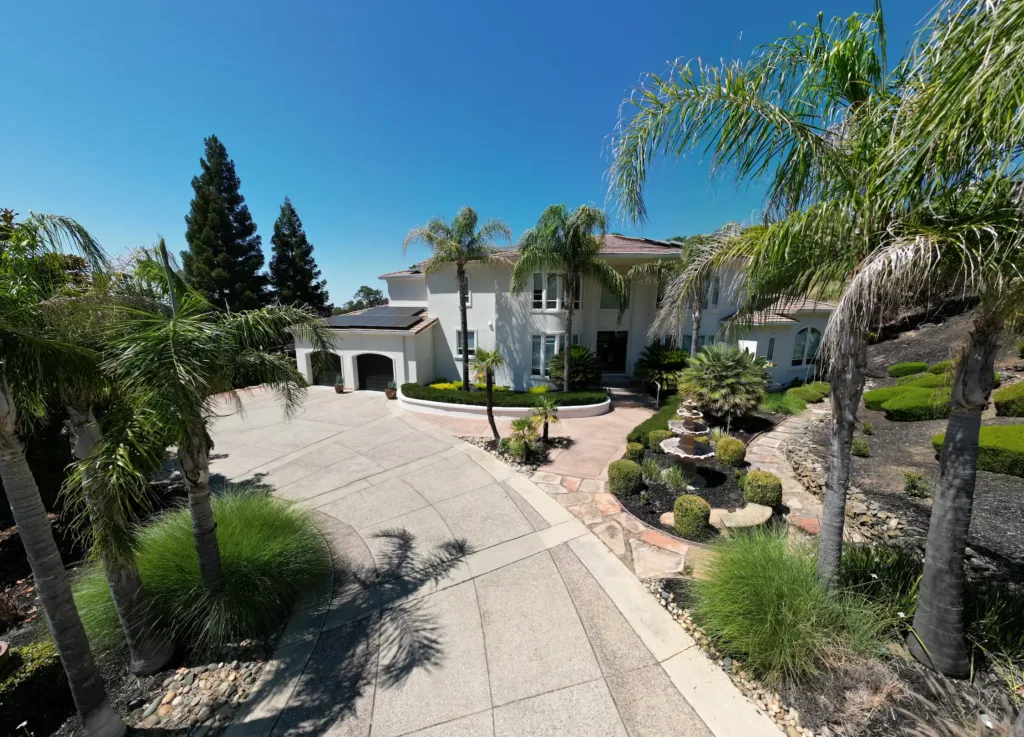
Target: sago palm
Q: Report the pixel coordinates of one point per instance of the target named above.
(488, 362)
(457, 244)
(37, 366)
(546, 412)
(724, 381)
(569, 242)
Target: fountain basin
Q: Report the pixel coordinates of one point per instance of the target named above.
(700, 452)
(679, 428)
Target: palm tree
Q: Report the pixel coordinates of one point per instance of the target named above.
(458, 243)
(724, 381)
(524, 433)
(804, 114)
(175, 362)
(488, 362)
(569, 242)
(546, 411)
(34, 365)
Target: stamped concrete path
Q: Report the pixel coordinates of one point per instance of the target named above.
(465, 602)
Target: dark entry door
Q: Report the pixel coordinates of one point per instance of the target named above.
(374, 371)
(611, 349)
(330, 376)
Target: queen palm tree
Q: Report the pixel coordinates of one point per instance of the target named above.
(458, 243)
(804, 114)
(488, 362)
(174, 362)
(569, 242)
(36, 365)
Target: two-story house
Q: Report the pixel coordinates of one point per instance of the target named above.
(417, 337)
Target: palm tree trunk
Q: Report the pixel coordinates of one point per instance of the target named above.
(148, 648)
(545, 431)
(51, 580)
(490, 404)
(194, 457)
(847, 380)
(460, 274)
(695, 335)
(570, 288)
(937, 639)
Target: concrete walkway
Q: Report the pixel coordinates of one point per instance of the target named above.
(465, 601)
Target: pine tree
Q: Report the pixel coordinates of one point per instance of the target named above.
(224, 257)
(294, 276)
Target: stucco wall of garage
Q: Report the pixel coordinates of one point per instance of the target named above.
(351, 345)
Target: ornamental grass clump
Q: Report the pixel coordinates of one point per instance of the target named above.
(271, 553)
(762, 603)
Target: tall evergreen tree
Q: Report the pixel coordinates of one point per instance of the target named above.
(224, 257)
(294, 277)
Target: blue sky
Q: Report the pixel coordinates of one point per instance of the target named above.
(372, 117)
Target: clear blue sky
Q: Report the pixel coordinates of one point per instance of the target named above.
(373, 117)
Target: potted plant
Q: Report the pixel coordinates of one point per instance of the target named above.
(339, 384)
(392, 390)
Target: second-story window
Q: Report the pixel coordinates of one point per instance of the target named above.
(609, 301)
(547, 292)
(538, 291)
(553, 297)
(711, 296)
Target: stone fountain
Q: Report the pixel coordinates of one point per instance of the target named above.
(685, 445)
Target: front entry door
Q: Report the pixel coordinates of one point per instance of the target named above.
(611, 349)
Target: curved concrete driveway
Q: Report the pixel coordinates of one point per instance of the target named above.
(464, 602)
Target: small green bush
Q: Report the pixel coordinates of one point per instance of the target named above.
(762, 487)
(915, 486)
(501, 399)
(782, 403)
(731, 451)
(762, 603)
(915, 404)
(806, 393)
(624, 477)
(446, 385)
(1010, 401)
(909, 378)
(942, 367)
(659, 421)
(908, 367)
(690, 516)
(676, 478)
(927, 381)
(1000, 449)
(271, 553)
(651, 470)
(539, 389)
(584, 368)
(822, 387)
(875, 398)
(34, 688)
(655, 438)
(634, 452)
(867, 428)
(860, 448)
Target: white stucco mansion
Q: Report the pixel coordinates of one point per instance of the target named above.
(416, 338)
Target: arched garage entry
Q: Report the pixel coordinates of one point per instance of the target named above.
(329, 376)
(375, 371)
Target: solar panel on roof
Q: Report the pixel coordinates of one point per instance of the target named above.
(384, 317)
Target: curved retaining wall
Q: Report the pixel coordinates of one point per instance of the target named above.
(470, 410)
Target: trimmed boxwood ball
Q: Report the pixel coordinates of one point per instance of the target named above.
(731, 451)
(906, 368)
(1010, 401)
(624, 477)
(690, 516)
(34, 688)
(634, 452)
(655, 437)
(916, 404)
(762, 487)
(1000, 449)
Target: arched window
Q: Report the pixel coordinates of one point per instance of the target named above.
(805, 350)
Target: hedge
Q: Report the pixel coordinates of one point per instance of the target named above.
(875, 398)
(731, 451)
(908, 367)
(634, 452)
(925, 381)
(1000, 449)
(915, 404)
(501, 399)
(1010, 401)
(33, 688)
(659, 421)
(762, 487)
(942, 367)
(806, 394)
(690, 515)
(624, 477)
(656, 437)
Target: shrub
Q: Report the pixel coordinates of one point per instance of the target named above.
(909, 378)
(651, 470)
(676, 478)
(731, 451)
(444, 386)
(718, 434)
(659, 421)
(1010, 401)
(585, 368)
(1020, 348)
(271, 552)
(624, 477)
(634, 452)
(908, 367)
(875, 398)
(655, 438)
(1000, 449)
(806, 393)
(724, 381)
(782, 403)
(822, 387)
(762, 487)
(660, 363)
(523, 436)
(915, 404)
(761, 602)
(927, 381)
(867, 428)
(914, 485)
(501, 399)
(860, 448)
(690, 515)
(888, 576)
(942, 367)
(33, 688)
(539, 389)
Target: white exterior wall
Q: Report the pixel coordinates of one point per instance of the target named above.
(407, 291)
(411, 355)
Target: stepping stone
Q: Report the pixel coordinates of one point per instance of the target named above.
(594, 486)
(611, 535)
(607, 503)
(543, 477)
(666, 542)
(652, 562)
(551, 488)
(572, 498)
(629, 522)
(571, 483)
(752, 515)
(810, 525)
(668, 519)
(588, 514)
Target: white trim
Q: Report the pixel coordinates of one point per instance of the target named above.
(471, 410)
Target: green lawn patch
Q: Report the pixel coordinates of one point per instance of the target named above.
(907, 368)
(1000, 449)
(503, 399)
(1010, 401)
(783, 403)
(659, 421)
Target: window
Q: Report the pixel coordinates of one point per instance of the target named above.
(577, 291)
(542, 349)
(551, 301)
(469, 294)
(575, 338)
(704, 340)
(547, 292)
(458, 343)
(610, 302)
(711, 296)
(805, 349)
(538, 291)
(687, 340)
(770, 352)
